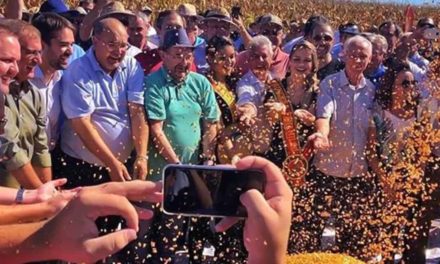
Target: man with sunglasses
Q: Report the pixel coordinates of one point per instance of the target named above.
(271, 26)
(322, 38)
(423, 25)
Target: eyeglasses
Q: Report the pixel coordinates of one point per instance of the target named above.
(115, 45)
(407, 83)
(326, 38)
(182, 56)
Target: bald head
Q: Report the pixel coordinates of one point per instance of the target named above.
(110, 41)
(111, 25)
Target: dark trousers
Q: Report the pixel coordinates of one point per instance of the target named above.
(348, 200)
(80, 173)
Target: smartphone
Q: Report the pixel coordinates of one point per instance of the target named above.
(236, 12)
(211, 191)
(431, 33)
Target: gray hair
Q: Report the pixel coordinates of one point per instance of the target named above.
(380, 40)
(261, 41)
(358, 39)
(146, 18)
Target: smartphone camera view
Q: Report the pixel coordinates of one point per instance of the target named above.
(208, 190)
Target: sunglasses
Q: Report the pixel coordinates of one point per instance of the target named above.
(427, 25)
(326, 38)
(271, 32)
(408, 83)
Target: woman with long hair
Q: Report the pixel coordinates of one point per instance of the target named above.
(302, 86)
(221, 57)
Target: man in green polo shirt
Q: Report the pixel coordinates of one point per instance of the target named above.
(177, 102)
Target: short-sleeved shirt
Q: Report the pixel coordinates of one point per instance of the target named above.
(278, 67)
(250, 90)
(27, 115)
(181, 107)
(349, 110)
(87, 90)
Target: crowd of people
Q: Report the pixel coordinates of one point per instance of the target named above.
(97, 99)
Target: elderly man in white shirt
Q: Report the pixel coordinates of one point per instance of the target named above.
(339, 182)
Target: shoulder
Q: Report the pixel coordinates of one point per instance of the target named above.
(78, 69)
(332, 80)
(154, 78)
(246, 79)
(198, 80)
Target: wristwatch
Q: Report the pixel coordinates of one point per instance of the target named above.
(20, 196)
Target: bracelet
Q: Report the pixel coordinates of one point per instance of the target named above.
(20, 196)
(142, 157)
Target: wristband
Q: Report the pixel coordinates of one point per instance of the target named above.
(144, 157)
(20, 196)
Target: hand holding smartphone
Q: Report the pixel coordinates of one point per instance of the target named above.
(211, 191)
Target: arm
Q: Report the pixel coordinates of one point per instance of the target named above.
(243, 32)
(16, 160)
(92, 140)
(208, 140)
(85, 32)
(41, 160)
(78, 241)
(25, 213)
(161, 142)
(139, 130)
(13, 9)
(27, 177)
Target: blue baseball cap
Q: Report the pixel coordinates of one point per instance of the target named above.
(56, 6)
(175, 38)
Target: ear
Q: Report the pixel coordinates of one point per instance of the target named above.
(162, 54)
(94, 40)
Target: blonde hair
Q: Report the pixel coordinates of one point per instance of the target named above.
(312, 82)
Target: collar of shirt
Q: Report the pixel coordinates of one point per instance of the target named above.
(38, 79)
(170, 80)
(17, 89)
(345, 83)
(95, 64)
(250, 79)
(199, 41)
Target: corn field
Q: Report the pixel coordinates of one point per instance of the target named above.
(365, 14)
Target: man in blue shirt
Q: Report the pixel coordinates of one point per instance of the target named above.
(102, 99)
(375, 70)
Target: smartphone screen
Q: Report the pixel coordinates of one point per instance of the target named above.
(208, 190)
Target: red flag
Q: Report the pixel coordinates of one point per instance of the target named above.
(409, 18)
